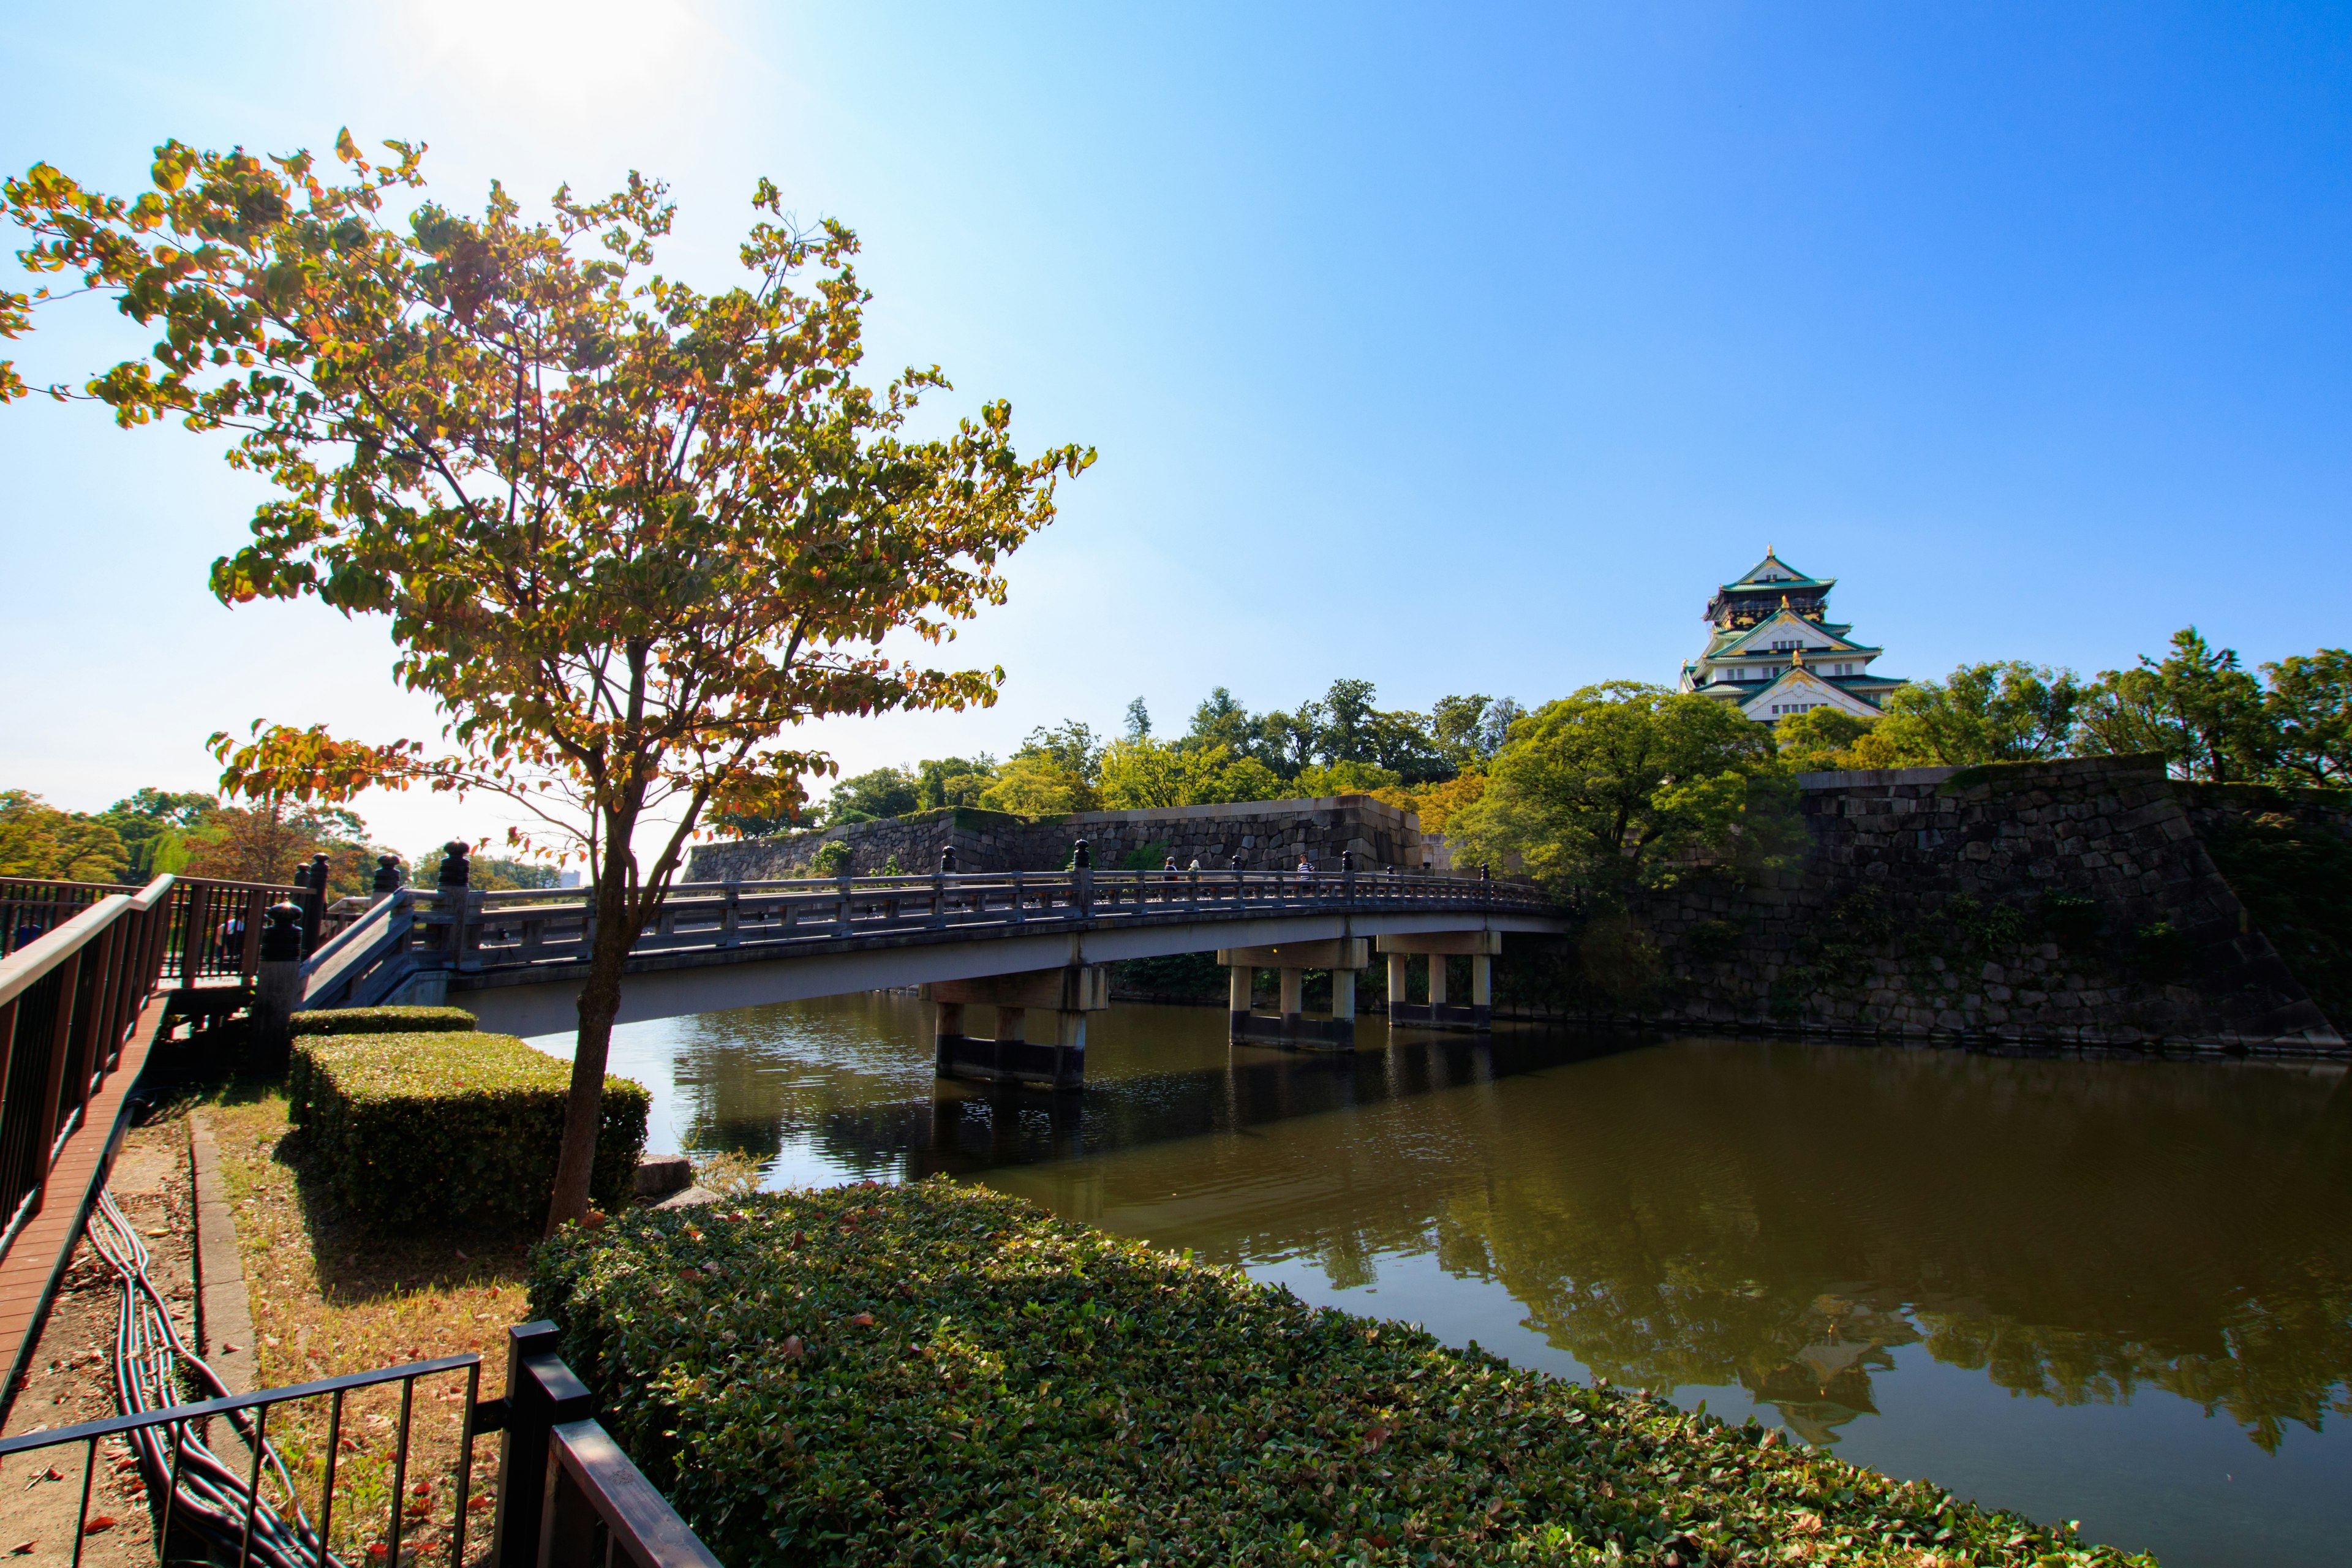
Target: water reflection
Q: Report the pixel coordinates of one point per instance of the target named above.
(1814, 1226)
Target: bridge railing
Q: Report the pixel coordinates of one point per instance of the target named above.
(470, 931)
(68, 1000)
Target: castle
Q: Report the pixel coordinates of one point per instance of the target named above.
(1772, 650)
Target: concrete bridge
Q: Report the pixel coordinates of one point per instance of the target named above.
(1021, 942)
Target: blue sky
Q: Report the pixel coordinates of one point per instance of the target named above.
(1459, 349)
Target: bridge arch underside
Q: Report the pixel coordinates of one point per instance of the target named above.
(672, 984)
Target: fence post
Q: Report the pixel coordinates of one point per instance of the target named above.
(276, 986)
(312, 880)
(542, 1393)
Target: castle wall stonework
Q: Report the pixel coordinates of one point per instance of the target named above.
(1266, 835)
(2069, 900)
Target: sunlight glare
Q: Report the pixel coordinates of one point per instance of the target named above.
(560, 53)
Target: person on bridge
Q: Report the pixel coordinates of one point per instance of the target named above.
(1305, 865)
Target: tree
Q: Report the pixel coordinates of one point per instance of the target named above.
(1138, 721)
(270, 841)
(1997, 712)
(885, 792)
(628, 535)
(36, 839)
(155, 826)
(952, 781)
(1143, 773)
(2310, 710)
(1824, 739)
(2197, 708)
(1052, 775)
(1467, 731)
(1598, 793)
(1220, 721)
(1344, 777)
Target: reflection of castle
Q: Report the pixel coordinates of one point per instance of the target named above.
(1773, 650)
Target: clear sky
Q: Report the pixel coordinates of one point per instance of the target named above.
(1460, 348)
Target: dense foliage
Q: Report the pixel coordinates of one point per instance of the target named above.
(450, 1126)
(1339, 744)
(337, 1021)
(152, 831)
(1604, 790)
(2209, 718)
(940, 1375)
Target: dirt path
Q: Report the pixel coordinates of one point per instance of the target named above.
(72, 1376)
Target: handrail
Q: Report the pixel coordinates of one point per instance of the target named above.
(461, 930)
(29, 963)
(68, 1000)
(380, 910)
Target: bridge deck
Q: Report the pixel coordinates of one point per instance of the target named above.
(517, 959)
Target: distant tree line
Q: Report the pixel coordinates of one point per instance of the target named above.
(154, 831)
(1342, 742)
(2208, 717)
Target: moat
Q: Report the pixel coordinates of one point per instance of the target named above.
(2117, 1292)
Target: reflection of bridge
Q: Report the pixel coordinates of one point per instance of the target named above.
(1018, 941)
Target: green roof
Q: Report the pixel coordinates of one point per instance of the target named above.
(1748, 584)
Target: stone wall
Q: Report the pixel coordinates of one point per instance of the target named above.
(2069, 900)
(1267, 836)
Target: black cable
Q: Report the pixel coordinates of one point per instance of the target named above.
(211, 1499)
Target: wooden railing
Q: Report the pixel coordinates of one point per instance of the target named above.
(69, 999)
(215, 925)
(469, 933)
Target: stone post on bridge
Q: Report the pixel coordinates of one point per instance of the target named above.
(1057, 1060)
(1435, 947)
(1342, 956)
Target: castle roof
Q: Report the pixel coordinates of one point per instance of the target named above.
(1773, 575)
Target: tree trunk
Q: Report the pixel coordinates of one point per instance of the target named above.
(600, 1003)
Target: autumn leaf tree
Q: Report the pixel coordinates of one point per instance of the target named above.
(628, 535)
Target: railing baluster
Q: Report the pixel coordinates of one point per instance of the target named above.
(327, 1486)
(253, 1482)
(81, 1519)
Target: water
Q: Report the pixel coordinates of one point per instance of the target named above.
(2117, 1292)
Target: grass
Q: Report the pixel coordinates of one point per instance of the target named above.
(330, 1298)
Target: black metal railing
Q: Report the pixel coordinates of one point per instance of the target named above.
(565, 1493)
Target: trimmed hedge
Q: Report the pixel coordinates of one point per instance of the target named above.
(451, 1127)
(942, 1375)
(379, 1021)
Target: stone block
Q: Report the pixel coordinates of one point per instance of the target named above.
(658, 1175)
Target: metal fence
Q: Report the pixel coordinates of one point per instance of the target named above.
(303, 1494)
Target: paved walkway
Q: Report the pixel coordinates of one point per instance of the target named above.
(30, 1270)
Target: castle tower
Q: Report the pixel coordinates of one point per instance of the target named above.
(1772, 650)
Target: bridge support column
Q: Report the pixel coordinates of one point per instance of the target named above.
(1400, 978)
(1060, 1062)
(1342, 956)
(947, 1025)
(1476, 1016)
(1240, 980)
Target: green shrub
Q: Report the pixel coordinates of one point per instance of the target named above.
(831, 858)
(441, 1129)
(937, 1374)
(380, 1021)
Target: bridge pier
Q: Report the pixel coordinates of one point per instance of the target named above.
(1477, 1016)
(1065, 995)
(1291, 1027)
